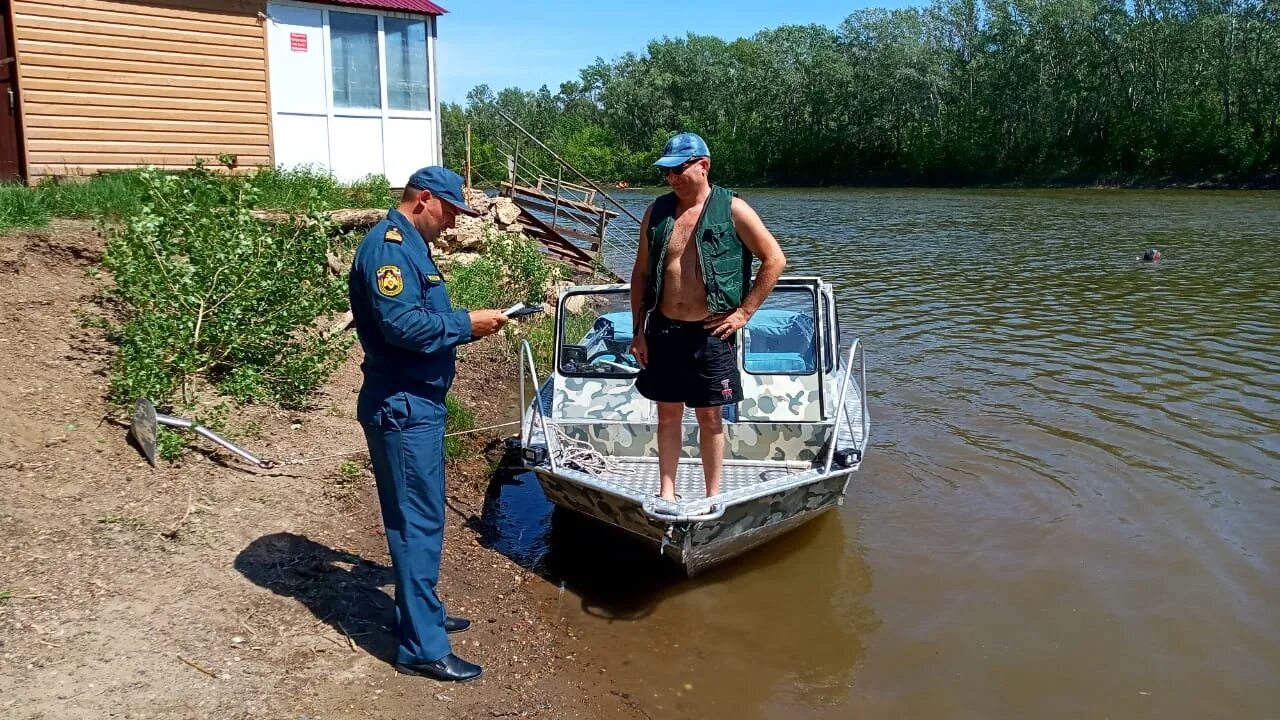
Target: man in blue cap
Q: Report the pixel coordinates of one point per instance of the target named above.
(409, 331)
(691, 292)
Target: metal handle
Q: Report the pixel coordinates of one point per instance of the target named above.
(715, 513)
(13, 101)
(526, 356)
(170, 421)
(840, 413)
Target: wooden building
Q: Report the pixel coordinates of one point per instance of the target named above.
(347, 86)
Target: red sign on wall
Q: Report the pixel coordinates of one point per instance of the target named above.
(298, 42)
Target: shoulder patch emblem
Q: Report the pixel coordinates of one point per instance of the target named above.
(390, 281)
(393, 235)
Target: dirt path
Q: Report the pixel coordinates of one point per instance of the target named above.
(205, 590)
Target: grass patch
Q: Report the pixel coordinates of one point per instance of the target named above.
(115, 196)
(306, 188)
(120, 520)
(459, 419)
(109, 196)
(22, 207)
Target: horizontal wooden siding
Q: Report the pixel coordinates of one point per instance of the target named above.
(111, 84)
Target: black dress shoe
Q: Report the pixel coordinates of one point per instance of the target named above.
(455, 624)
(449, 668)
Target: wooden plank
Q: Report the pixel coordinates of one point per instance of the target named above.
(203, 23)
(68, 164)
(589, 194)
(515, 190)
(72, 64)
(112, 78)
(58, 114)
(585, 237)
(30, 97)
(186, 47)
(112, 135)
(197, 122)
(189, 149)
(73, 30)
(91, 89)
(236, 12)
(564, 211)
(91, 52)
(551, 238)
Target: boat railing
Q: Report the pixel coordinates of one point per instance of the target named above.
(526, 362)
(864, 420)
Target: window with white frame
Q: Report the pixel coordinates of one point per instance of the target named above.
(356, 61)
(406, 43)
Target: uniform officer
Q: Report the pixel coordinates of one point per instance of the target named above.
(409, 331)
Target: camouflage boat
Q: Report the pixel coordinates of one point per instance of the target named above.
(791, 446)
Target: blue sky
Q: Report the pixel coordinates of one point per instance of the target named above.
(508, 43)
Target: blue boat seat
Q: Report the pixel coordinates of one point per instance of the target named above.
(784, 363)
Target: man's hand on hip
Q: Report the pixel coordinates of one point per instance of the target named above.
(640, 348)
(724, 325)
(486, 322)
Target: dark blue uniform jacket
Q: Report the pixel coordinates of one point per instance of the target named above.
(403, 316)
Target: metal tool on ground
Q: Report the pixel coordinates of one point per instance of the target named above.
(146, 420)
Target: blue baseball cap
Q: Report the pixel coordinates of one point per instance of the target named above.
(682, 148)
(444, 184)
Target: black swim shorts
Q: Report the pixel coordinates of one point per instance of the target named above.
(687, 364)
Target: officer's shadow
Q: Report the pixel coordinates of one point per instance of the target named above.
(339, 588)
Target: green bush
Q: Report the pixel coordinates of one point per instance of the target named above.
(511, 270)
(210, 292)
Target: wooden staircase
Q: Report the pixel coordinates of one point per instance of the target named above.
(563, 217)
(569, 219)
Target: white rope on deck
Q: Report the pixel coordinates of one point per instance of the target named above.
(579, 455)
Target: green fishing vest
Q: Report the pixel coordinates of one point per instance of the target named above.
(724, 262)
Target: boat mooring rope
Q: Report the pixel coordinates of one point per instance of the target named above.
(579, 455)
(318, 458)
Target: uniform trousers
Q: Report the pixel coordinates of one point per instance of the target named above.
(406, 446)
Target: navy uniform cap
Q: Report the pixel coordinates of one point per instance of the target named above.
(444, 184)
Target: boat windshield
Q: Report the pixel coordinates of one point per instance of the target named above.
(779, 337)
(595, 335)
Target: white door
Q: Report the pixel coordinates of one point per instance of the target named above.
(352, 91)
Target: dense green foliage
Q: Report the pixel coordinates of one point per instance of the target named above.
(959, 91)
(211, 293)
(113, 196)
(512, 269)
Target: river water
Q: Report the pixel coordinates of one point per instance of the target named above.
(1071, 503)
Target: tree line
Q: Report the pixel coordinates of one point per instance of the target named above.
(960, 91)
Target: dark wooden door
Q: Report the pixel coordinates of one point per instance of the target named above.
(10, 135)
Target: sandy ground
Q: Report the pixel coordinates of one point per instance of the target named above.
(207, 589)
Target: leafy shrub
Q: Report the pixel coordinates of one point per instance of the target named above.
(511, 270)
(211, 292)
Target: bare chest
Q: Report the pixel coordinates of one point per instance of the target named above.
(682, 234)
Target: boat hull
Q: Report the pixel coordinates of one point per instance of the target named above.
(696, 546)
